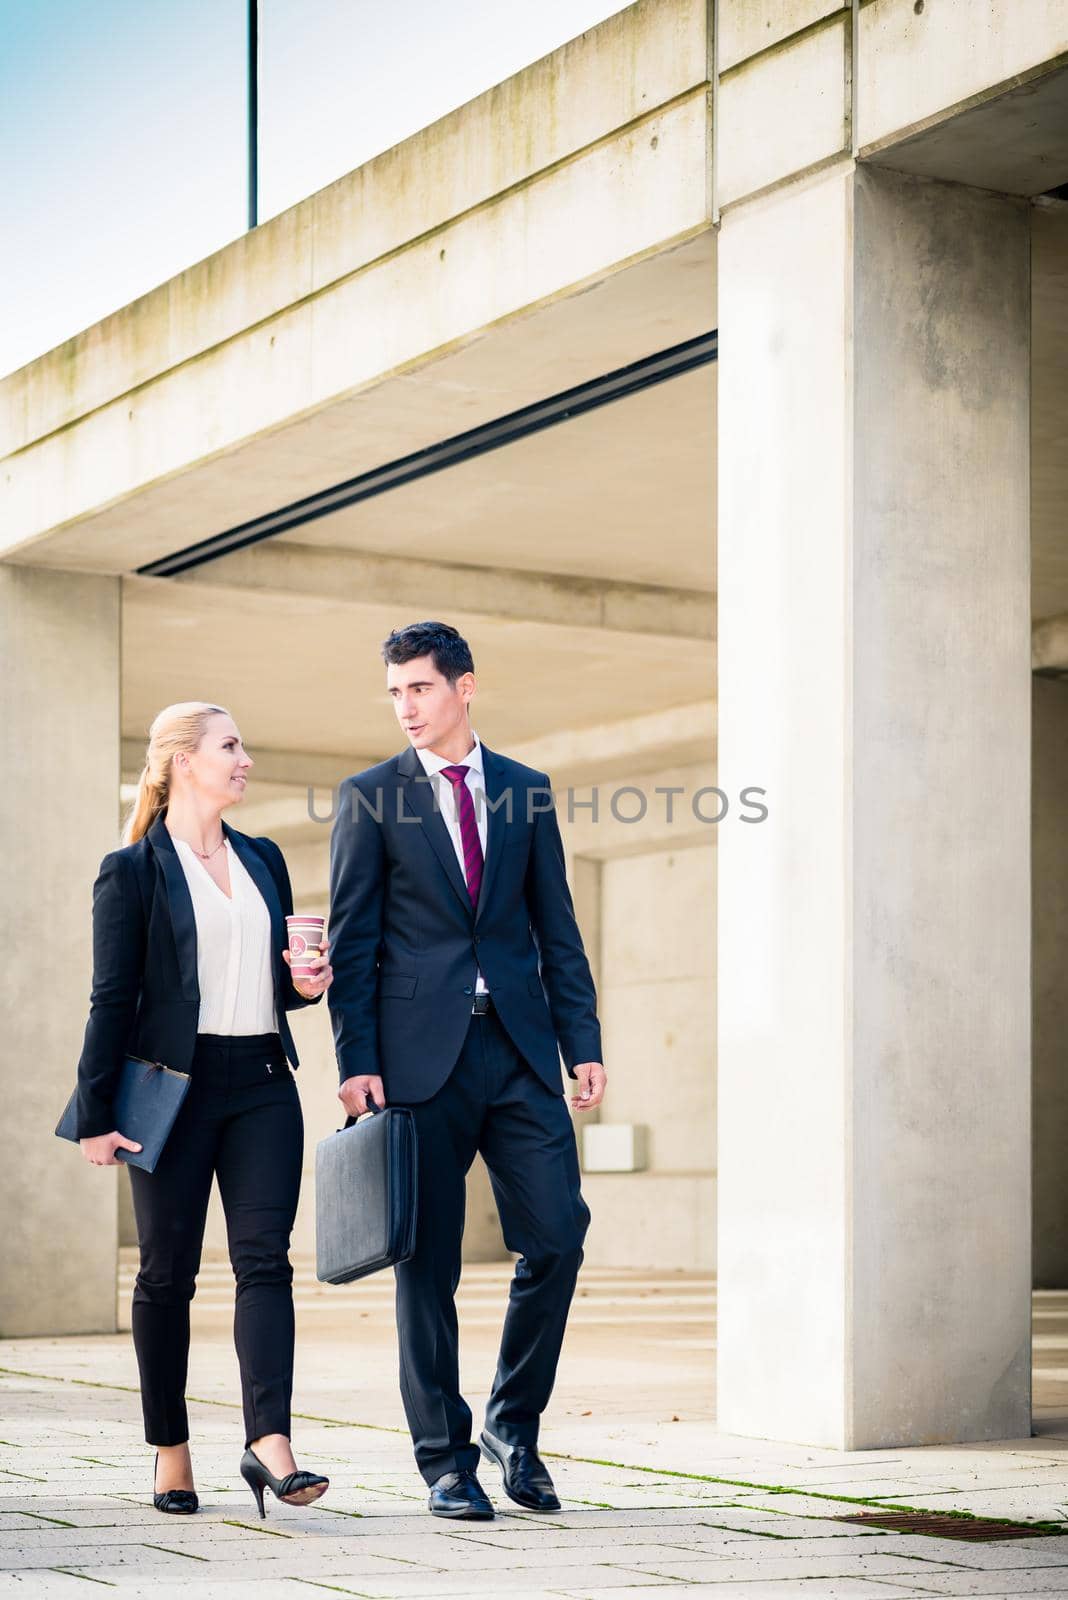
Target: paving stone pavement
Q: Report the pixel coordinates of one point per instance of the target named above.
(655, 1500)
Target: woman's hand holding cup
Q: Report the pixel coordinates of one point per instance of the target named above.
(308, 956)
(317, 982)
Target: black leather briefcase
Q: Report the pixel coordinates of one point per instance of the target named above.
(365, 1196)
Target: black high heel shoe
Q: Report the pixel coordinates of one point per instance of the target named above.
(180, 1502)
(295, 1489)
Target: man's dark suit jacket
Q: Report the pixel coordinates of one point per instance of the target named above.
(146, 995)
(405, 941)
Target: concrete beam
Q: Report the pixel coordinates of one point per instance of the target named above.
(341, 577)
(631, 745)
(806, 79)
(683, 734)
(295, 768)
(289, 816)
(614, 815)
(632, 814)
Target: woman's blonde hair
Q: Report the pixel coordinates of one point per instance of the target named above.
(177, 727)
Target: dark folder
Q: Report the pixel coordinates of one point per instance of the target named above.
(365, 1196)
(146, 1103)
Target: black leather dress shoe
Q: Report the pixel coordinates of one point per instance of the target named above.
(460, 1495)
(526, 1477)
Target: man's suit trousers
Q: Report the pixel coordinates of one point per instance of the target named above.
(495, 1105)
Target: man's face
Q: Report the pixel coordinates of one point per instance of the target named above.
(429, 708)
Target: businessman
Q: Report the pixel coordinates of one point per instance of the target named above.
(459, 981)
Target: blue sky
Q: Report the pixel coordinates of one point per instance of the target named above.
(123, 126)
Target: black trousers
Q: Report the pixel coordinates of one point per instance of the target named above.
(241, 1121)
(496, 1105)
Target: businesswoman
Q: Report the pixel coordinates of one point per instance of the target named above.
(190, 970)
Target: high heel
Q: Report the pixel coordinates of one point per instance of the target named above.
(179, 1502)
(295, 1489)
(257, 1489)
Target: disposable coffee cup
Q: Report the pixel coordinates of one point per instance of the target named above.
(305, 943)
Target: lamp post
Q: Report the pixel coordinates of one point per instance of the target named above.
(253, 112)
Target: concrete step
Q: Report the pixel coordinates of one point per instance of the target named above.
(605, 1298)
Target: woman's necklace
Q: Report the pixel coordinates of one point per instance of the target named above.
(210, 853)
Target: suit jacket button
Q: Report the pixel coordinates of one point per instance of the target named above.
(468, 990)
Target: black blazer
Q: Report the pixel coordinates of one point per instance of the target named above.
(146, 996)
(405, 942)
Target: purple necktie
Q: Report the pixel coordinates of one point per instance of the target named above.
(472, 844)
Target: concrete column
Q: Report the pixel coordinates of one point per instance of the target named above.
(59, 755)
(1049, 881)
(874, 932)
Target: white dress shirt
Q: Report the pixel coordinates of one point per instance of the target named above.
(233, 948)
(450, 815)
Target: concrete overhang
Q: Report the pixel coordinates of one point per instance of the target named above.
(1015, 142)
(963, 86)
(551, 230)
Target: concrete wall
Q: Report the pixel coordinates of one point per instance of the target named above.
(59, 757)
(1049, 887)
(658, 1006)
(657, 997)
(644, 889)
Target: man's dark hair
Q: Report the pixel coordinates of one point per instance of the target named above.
(450, 650)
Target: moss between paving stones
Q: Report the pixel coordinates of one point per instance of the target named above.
(596, 1461)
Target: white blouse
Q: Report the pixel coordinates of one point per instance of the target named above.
(233, 948)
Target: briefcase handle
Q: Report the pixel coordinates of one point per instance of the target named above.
(375, 1110)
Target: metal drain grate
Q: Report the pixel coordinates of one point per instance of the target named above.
(943, 1527)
